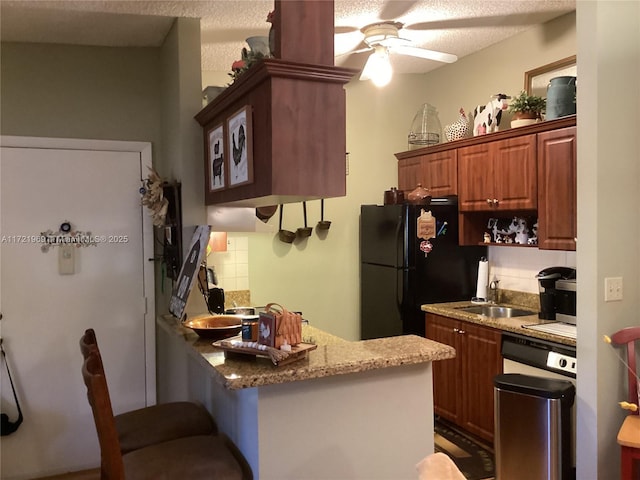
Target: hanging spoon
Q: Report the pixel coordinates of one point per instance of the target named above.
(285, 236)
(306, 231)
(323, 224)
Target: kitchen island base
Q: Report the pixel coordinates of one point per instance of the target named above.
(373, 424)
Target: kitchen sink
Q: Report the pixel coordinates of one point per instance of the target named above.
(496, 311)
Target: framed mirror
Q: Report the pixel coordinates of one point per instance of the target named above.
(536, 80)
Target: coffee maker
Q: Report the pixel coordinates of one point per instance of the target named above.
(557, 294)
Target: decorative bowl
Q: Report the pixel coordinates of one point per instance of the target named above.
(216, 326)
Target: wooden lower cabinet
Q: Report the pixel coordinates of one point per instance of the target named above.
(463, 386)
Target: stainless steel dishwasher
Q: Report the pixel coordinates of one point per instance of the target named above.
(534, 426)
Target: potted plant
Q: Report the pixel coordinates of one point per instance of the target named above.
(526, 109)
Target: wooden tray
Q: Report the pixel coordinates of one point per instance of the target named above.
(297, 353)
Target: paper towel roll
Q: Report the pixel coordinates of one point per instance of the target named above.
(483, 280)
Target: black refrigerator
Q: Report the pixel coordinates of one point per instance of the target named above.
(399, 271)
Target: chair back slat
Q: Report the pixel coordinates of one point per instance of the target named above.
(112, 467)
(628, 337)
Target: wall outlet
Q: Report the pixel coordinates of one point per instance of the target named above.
(613, 289)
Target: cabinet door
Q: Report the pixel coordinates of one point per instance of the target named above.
(447, 386)
(498, 176)
(440, 173)
(475, 178)
(514, 170)
(557, 213)
(481, 362)
(409, 173)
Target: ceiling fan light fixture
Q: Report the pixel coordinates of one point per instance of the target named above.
(378, 67)
(381, 33)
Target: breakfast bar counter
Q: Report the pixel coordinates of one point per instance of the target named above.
(333, 356)
(339, 413)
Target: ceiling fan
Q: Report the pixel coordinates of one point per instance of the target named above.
(382, 39)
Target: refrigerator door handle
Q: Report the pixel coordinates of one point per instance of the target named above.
(400, 260)
(399, 282)
(399, 246)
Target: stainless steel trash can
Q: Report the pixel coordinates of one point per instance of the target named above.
(532, 427)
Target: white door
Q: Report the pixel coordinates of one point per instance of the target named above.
(45, 311)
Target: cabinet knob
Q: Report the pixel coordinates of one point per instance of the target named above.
(495, 202)
(455, 330)
(489, 201)
(461, 332)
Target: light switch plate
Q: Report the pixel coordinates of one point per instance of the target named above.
(613, 289)
(67, 259)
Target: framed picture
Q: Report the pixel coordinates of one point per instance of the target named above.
(215, 159)
(537, 80)
(240, 146)
(267, 329)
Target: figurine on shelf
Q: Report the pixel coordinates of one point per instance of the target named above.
(487, 119)
(458, 129)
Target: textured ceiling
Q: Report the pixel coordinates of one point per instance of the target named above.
(459, 27)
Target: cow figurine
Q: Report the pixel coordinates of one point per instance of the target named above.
(487, 119)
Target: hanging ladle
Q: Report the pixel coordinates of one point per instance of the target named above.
(285, 236)
(323, 224)
(306, 231)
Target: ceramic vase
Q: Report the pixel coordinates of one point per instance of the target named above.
(259, 44)
(561, 97)
(272, 40)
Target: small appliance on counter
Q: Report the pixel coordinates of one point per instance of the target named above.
(557, 294)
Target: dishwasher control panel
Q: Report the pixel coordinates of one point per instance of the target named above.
(558, 361)
(538, 353)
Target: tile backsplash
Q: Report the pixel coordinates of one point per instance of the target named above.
(232, 266)
(517, 267)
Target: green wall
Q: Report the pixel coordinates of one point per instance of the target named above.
(80, 92)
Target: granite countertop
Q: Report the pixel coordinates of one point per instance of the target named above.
(334, 356)
(514, 324)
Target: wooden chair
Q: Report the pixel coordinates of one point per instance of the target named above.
(196, 457)
(155, 424)
(629, 433)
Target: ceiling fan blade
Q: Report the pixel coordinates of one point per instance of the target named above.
(424, 53)
(342, 29)
(393, 9)
(511, 20)
(353, 52)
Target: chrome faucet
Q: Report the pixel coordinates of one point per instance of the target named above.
(493, 291)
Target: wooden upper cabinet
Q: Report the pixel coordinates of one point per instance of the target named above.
(440, 173)
(522, 171)
(436, 171)
(409, 174)
(475, 179)
(296, 109)
(557, 198)
(498, 176)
